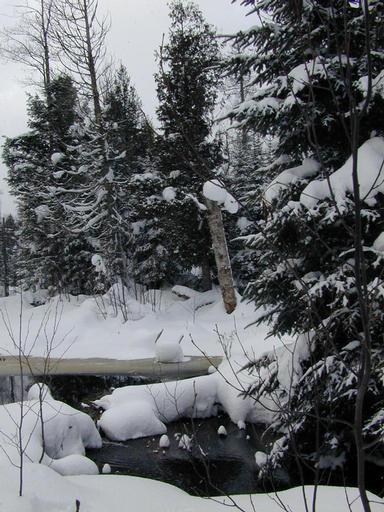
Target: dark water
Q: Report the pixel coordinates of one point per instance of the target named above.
(214, 466)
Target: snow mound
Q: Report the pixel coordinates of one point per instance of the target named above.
(67, 432)
(164, 441)
(131, 420)
(370, 170)
(169, 351)
(39, 391)
(74, 465)
(106, 469)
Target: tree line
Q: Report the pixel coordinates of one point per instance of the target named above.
(104, 197)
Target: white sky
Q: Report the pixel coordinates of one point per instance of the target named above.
(136, 32)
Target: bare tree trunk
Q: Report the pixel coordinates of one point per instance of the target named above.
(206, 279)
(92, 66)
(5, 260)
(220, 249)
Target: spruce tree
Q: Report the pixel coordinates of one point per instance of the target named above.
(312, 82)
(40, 171)
(186, 87)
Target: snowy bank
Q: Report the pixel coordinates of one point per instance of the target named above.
(66, 434)
(120, 326)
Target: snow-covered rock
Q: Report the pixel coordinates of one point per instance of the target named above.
(131, 420)
(164, 441)
(67, 432)
(106, 469)
(222, 431)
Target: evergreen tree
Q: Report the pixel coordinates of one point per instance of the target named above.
(40, 170)
(8, 258)
(312, 84)
(186, 89)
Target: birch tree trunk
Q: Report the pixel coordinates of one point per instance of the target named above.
(220, 249)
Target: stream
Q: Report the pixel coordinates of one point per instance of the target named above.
(215, 465)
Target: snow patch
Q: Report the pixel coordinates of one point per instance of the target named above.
(308, 168)
(370, 170)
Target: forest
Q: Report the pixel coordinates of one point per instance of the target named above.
(256, 198)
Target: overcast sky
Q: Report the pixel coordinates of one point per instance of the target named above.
(136, 32)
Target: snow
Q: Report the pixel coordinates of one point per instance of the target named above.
(222, 431)
(169, 351)
(164, 441)
(46, 491)
(98, 262)
(56, 158)
(42, 212)
(214, 191)
(131, 420)
(185, 442)
(261, 459)
(230, 204)
(143, 410)
(302, 74)
(67, 432)
(243, 224)
(378, 244)
(370, 170)
(308, 168)
(39, 391)
(89, 327)
(169, 194)
(106, 469)
(74, 465)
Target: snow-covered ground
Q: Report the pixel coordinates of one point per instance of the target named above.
(46, 491)
(82, 327)
(85, 327)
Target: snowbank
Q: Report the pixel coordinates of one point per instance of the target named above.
(46, 491)
(67, 432)
(121, 326)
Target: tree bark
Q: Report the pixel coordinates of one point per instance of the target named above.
(220, 249)
(206, 279)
